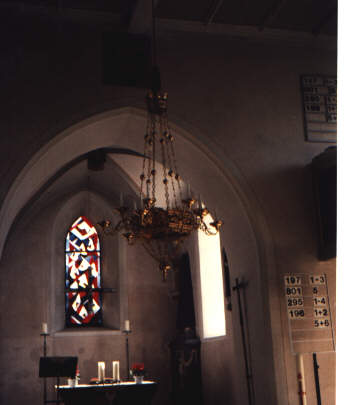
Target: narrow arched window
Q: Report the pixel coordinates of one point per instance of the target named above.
(83, 289)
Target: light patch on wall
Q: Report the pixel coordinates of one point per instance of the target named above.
(213, 312)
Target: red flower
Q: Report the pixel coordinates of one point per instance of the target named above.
(138, 368)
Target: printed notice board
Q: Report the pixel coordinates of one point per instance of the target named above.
(319, 95)
(309, 313)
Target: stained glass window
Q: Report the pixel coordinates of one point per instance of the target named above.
(83, 289)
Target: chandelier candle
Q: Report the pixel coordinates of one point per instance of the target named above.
(44, 328)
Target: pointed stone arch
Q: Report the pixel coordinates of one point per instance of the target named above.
(245, 231)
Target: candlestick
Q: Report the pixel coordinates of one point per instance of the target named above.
(44, 333)
(127, 331)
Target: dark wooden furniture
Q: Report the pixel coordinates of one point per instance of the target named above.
(108, 394)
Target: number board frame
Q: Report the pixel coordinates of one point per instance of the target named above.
(309, 315)
(319, 100)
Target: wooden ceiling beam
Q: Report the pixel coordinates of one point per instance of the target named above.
(328, 17)
(272, 13)
(213, 9)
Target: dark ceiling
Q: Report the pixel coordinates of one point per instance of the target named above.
(310, 16)
(313, 16)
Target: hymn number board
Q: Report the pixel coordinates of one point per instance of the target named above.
(319, 95)
(309, 314)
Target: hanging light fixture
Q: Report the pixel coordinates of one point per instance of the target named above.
(160, 229)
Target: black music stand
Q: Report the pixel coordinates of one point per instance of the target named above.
(57, 367)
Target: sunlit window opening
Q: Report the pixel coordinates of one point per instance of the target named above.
(83, 300)
(213, 312)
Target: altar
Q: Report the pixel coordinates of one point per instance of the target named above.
(127, 392)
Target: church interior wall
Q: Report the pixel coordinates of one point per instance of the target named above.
(241, 100)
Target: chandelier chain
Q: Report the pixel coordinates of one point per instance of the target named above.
(153, 172)
(161, 230)
(149, 156)
(167, 138)
(142, 176)
(148, 175)
(177, 177)
(165, 181)
(172, 171)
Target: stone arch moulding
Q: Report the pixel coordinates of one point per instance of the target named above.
(123, 129)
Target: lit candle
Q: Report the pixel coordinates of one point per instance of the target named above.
(127, 325)
(115, 371)
(199, 201)
(189, 191)
(101, 370)
(135, 206)
(44, 328)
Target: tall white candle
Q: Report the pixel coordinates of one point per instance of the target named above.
(126, 325)
(101, 370)
(44, 328)
(115, 371)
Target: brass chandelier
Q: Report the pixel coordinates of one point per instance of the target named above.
(161, 229)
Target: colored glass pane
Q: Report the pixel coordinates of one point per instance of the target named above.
(83, 298)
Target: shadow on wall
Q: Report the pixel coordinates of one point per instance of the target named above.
(292, 211)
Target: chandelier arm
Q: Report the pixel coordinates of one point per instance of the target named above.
(142, 176)
(149, 249)
(202, 226)
(170, 162)
(210, 233)
(119, 226)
